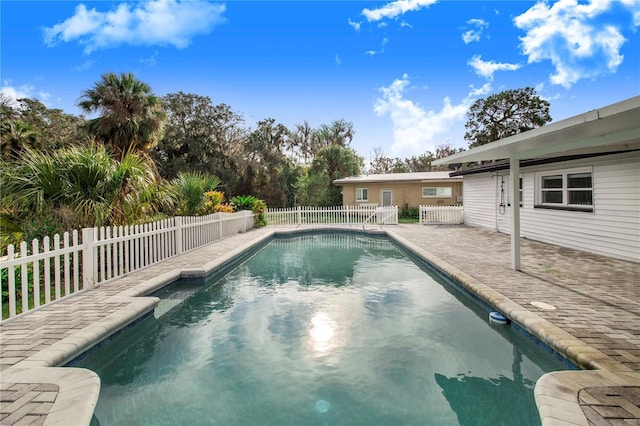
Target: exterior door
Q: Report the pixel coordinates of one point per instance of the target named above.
(387, 197)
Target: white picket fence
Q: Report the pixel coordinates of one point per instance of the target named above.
(437, 215)
(362, 214)
(103, 254)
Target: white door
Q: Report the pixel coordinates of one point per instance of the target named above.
(387, 197)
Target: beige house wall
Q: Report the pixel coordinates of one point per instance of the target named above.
(404, 193)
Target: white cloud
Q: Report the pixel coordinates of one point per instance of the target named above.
(355, 25)
(24, 91)
(580, 40)
(395, 8)
(383, 43)
(151, 61)
(487, 68)
(415, 129)
(15, 93)
(474, 33)
(85, 65)
(153, 22)
(338, 60)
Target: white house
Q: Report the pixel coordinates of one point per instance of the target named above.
(578, 183)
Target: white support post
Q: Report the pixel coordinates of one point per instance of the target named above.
(514, 170)
(178, 234)
(89, 274)
(299, 216)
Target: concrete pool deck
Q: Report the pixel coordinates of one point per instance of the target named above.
(595, 323)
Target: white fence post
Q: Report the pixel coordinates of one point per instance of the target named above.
(178, 236)
(88, 268)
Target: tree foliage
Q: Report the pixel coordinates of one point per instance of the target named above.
(380, 163)
(29, 124)
(505, 114)
(201, 137)
(131, 116)
(332, 162)
(54, 128)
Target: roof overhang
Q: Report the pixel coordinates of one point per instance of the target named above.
(612, 128)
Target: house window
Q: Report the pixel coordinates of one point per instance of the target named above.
(570, 190)
(436, 192)
(362, 194)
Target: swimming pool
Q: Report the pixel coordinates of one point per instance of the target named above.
(315, 330)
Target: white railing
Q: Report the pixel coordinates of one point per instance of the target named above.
(432, 215)
(40, 273)
(387, 215)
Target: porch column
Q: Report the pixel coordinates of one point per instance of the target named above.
(514, 170)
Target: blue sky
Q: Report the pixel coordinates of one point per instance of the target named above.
(404, 72)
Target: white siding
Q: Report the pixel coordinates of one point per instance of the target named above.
(613, 229)
(479, 200)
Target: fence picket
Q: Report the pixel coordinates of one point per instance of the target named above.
(36, 273)
(47, 271)
(76, 266)
(108, 252)
(12, 282)
(56, 267)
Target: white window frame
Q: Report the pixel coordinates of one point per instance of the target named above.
(448, 192)
(363, 194)
(564, 175)
(521, 179)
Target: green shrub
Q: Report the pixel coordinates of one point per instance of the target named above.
(259, 208)
(409, 212)
(243, 202)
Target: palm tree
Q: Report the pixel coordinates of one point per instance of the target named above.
(16, 136)
(131, 116)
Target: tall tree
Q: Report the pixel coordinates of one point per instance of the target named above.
(505, 114)
(131, 116)
(54, 128)
(301, 142)
(201, 137)
(332, 162)
(265, 160)
(339, 132)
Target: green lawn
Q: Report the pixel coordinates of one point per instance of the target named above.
(408, 220)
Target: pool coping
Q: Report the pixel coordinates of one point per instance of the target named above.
(555, 393)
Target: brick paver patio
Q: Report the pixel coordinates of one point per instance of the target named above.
(596, 321)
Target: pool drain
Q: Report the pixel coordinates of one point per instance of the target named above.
(322, 406)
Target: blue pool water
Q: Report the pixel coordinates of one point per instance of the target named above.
(319, 330)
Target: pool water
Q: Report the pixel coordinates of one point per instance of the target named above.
(319, 330)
